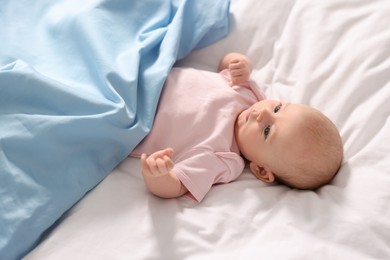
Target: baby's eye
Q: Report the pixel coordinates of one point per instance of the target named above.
(266, 131)
(277, 108)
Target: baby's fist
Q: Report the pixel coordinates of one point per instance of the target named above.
(240, 70)
(158, 163)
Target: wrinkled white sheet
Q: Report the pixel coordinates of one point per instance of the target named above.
(333, 55)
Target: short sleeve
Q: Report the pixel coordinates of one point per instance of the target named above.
(199, 169)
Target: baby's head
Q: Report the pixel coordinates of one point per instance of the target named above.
(294, 144)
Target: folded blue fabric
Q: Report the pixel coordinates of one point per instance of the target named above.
(79, 86)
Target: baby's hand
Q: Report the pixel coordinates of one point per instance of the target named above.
(157, 164)
(240, 70)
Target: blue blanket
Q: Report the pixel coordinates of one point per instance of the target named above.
(79, 86)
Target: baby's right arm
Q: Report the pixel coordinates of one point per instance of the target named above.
(158, 177)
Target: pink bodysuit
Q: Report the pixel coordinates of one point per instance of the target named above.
(195, 117)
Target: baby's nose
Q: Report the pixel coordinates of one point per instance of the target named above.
(262, 114)
(259, 117)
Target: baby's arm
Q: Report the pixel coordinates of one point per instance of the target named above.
(240, 67)
(158, 177)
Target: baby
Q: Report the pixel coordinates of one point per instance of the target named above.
(210, 121)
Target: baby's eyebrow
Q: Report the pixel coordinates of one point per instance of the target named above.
(286, 105)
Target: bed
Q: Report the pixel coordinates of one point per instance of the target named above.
(333, 55)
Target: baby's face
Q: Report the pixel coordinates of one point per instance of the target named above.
(271, 132)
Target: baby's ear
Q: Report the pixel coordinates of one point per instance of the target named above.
(261, 173)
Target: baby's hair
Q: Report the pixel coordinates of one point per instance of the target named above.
(321, 158)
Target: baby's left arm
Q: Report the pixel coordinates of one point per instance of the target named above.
(239, 66)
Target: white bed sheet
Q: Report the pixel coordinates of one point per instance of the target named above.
(333, 55)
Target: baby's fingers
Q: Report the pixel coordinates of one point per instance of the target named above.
(149, 165)
(144, 164)
(236, 66)
(152, 164)
(168, 162)
(161, 166)
(164, 165)
(237, 72)
(162, 153)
